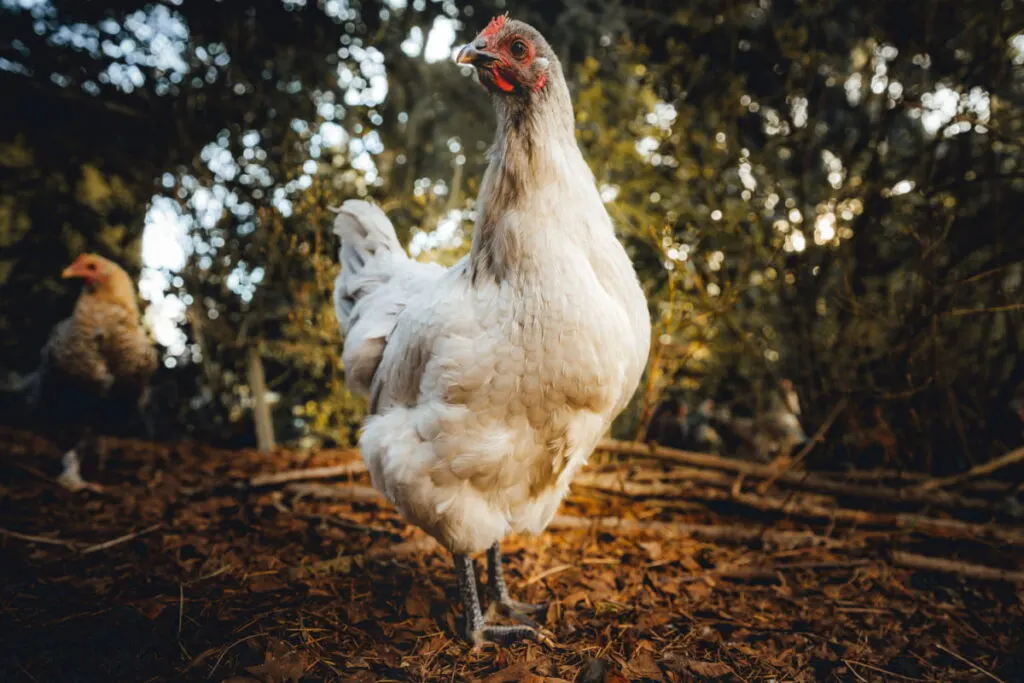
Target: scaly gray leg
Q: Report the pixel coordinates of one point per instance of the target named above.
(477, 629)
(499, 589)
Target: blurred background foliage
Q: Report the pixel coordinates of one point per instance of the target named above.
(827, 191)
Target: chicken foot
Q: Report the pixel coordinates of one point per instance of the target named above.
(478, 630)
(71, 477)
(499, 590)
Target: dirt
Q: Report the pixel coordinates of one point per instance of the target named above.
(182, 571)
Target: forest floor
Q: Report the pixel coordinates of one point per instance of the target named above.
(188, 569)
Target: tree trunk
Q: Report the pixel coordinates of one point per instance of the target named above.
(260, 407)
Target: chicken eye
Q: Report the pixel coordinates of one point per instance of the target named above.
(91, 266)
(517, 49)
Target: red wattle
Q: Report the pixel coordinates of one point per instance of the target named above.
(502, 82)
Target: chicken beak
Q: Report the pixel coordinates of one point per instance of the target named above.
(473, 55)
(74, 270)
(77, 268)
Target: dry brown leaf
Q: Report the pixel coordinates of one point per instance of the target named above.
(643, 666)
(266, 583)
(574, 598)
(698, 590)
(151, 609)
(417, 602)
(685, 665)
(652, 618)
(653, 549)
(516, 672)
(281, 664)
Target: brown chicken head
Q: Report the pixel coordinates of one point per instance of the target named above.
(92, 268)
(510, 57)
(103, 279)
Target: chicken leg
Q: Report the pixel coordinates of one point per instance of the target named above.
(499, 589)
(477, 629)
(71, 477)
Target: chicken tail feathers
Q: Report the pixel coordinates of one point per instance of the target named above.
(19, 395)
(376, 282)
(369, 245)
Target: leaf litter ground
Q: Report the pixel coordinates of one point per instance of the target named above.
(184, 571)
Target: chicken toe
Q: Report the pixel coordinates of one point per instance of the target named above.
(477, 628)
(499, 590)
(506, 635)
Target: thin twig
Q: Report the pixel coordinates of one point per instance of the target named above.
(854, 671)
(742, 534)
(880, 670)
(347, 468)
(225, 651)
(121, 539)
(808, 447)
(981, 470)
(974, 571)
(935, 526)
(771, 571)
(39, 539)
(345, 563)
(805, 480)
(346, 524)
(356, 493)
(181, 608)
(30, 676)
(969, 663)
(548, 572)
(957, 312)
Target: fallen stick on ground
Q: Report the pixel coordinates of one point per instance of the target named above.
(788, 539)
(791, 506)
(681, 472)
(612, 483)
(344, 469)
(970, 663)
(691, 458)
(686, 474)
(345, 563)
(801, 480)
(340, 522)
(711, 476)
(354, 492)
(79, 545)
(989, 467)
(39, 539)
(974, 571)
(900, 520)
(770, 572)
(979, 486)
(121, 539)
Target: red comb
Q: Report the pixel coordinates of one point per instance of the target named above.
(494, 26)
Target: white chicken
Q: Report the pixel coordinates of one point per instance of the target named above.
(492, 381)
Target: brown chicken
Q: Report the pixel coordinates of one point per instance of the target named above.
(94, 370)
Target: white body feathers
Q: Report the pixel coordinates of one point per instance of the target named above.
(491, 382)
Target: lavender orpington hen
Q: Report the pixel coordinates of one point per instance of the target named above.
(492, 381)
